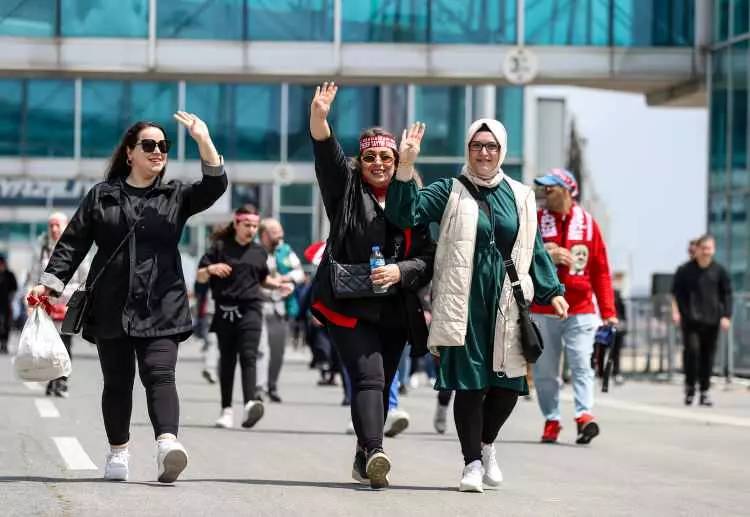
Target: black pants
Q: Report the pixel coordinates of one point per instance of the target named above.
(444, 397)
(68, 342)
(370, 354)
(479, 415)
(240, 338)
(699, 342)
(156, 358)
(277, 329)
(616, 350)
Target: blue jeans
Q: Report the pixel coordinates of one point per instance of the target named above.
(575, 336)
(404, 366)
(393, 394)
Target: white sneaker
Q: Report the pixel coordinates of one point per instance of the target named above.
(350, 428)
(471, 479)
(396, 422)
(441, 418)
(116, 465)
(414, 381)
(171, 460)
(253, 412)
(493, 476)
(226, 420)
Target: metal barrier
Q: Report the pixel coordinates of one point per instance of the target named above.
(653, 344)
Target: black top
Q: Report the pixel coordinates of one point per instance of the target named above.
(249, 270)
(142, 292)
(704, 295)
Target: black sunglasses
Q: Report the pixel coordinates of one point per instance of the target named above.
(149, 145)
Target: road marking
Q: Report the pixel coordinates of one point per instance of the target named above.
(697, 415)
(34, 386)
(46, 408)
(73, 454)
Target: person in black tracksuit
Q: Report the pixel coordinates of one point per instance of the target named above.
(702, 305)
(138, 311)
(369, 332)
(236, 268)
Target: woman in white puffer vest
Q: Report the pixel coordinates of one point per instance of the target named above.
(474, 329)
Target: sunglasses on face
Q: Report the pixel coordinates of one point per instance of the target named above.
(149, 145)
(477, 147)
(386, 158)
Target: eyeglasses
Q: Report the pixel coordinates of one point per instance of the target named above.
(149, 145)
(477, 147)
(386, 158)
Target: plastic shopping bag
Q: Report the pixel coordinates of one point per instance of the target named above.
(41, 354)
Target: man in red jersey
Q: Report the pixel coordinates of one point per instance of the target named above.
(575, 244)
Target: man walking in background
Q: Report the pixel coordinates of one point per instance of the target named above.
(701, 305)
(283, 263)
(575, 244)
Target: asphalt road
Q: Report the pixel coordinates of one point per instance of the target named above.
(654, 456)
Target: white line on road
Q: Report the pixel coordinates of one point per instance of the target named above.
(696, 416)
(73, 454)
(46, 408)
(34, 386)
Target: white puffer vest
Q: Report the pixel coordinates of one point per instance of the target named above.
(454, 264)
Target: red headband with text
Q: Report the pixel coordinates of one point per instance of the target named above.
(366, 142)
(253, 218)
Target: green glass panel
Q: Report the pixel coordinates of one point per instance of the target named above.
(443, 109)
(721, 19)
(719, 106)
(299, 194)
(514, 171)
(297, 230)
(109, 108)
(11, 111)
(356, 108)
(245, 193)
(568, 22)
(741, 19)
(739, 93)
(384, 21)
(200, 19)
(509, 107)
(111, 19)
(243, 119)
(432, 172)
(473, 22)
(650, 23)
(290, 20)
(49, 129)
(28, 18)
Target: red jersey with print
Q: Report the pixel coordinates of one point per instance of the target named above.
(589, 273)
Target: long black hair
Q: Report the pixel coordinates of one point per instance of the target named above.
(227, 233)
(118, 164)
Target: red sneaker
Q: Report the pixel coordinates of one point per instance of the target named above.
(587, 428)
(552, 430)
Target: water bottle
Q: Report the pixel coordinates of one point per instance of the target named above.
(377, 260)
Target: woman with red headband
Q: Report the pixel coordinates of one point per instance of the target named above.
(236, 268)
(368, 327)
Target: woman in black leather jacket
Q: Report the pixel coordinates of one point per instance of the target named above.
(369, 331)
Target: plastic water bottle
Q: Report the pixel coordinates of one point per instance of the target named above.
(377, 260)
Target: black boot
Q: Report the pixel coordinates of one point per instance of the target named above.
(689, 396)
(705, 400)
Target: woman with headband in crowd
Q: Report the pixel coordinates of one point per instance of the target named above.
(236, 268)
(474, 326)
(369, 321)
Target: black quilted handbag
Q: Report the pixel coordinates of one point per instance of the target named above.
(353, 281)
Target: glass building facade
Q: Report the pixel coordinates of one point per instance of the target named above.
(622, 23)
(729, 167)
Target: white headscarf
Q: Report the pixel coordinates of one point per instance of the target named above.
(494, 178)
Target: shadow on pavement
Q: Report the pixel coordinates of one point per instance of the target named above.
(255, 430)
(45, 479)
(319, 484)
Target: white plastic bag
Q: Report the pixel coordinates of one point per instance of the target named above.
(41, 354)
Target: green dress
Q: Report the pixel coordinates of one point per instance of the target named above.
(470, 367)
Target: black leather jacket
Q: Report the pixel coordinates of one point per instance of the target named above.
(412, 249)
(144, 297)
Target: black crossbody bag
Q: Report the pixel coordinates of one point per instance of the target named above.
(531, 339)
(78, 304)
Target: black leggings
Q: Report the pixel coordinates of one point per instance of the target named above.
(371, 355)
(479, 415)
(699, 343)
(156, 358)
(236, 340)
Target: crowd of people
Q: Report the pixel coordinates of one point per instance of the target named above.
(446, 303)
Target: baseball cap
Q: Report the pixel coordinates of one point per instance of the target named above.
(559, 177)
